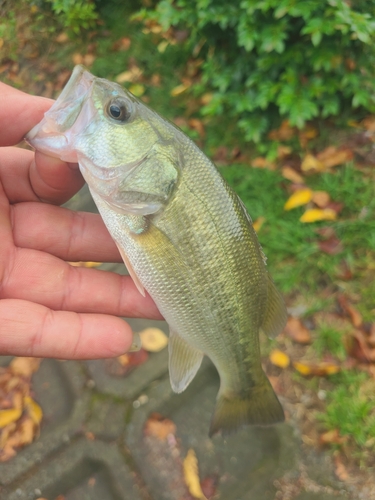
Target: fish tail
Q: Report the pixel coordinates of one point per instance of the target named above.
(260, 407)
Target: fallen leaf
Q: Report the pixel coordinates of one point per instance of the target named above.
(306, 135)
(354, 315)
(321, 198)
(258, 223)
(191, 475)
(310, 162)
(159, 427)
(180, 89)
(360, 348)
(162, 46)
(206, 98)
(27, 432)
(261, 162)
(331, 156)
(62, 37)
(137, 89)
(197, 125)
(9, 416)
(283, 151)
(344, 272)
(279, 358)
(299, 198)
(332, 437)
(317, 214)
(24, 366)
(297, 331)
(290, 174)
(153, 339)
(131, 76)
(332, 246)
(209, 486)
(283, 133)
(85, 264)
(340, 469)
(33, 409)
(319, 369)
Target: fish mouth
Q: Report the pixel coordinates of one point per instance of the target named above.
(52, 135)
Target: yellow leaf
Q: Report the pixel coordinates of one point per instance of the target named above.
(310, 162)
(258, 223)
(162, 46)
(33, 409)
(137, 89)
(179, 90)
(316, 214)
(9, 416)
(85, 264)
(153, 339)
(279, 358)
(302, 368)
(299, 198)
(191, 475)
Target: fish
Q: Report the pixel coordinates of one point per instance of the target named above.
(184, 235)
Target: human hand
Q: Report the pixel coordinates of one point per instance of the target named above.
(49, 308)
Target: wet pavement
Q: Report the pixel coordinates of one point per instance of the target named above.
(92, 444)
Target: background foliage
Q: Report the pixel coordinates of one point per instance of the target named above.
(267, 59)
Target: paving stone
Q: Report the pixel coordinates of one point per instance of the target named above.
(59, 389)
(246, 462)
(83, 471)
(107, 418)
(137, 380)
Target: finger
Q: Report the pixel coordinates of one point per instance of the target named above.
(28, 329)
(69, 235)
(30, 177)
(47, 280)
(20, 112)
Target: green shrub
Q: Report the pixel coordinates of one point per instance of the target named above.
(267, 60)
(75, 15)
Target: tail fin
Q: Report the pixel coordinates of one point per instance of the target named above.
(261, 407)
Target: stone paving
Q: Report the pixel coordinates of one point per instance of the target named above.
(92, 444)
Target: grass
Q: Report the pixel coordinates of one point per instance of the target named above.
(350, 407)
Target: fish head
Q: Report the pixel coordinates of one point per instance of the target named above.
(118, 142)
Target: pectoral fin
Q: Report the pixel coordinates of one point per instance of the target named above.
(276, 315)
(132, 273)
(184, 362)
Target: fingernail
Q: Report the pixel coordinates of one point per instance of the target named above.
(136, 344)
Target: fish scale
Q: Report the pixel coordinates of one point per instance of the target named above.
(184, 235)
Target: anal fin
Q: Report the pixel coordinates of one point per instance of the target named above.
(184, 362)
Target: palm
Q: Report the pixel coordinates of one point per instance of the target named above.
(47, 307)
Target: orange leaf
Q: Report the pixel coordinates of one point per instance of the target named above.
(258, 223)
(159, 427)
(290, 174)
(331, 156)
(321, 198)
(316, 214)
(279, 358)
(297, 331)
(299, 198)
(351, 311)
(24, 366)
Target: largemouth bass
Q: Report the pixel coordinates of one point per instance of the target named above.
(184, 236)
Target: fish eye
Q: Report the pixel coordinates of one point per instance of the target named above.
(118, 110)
